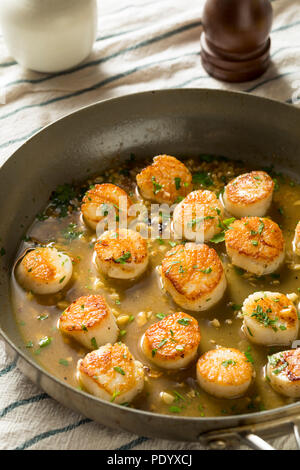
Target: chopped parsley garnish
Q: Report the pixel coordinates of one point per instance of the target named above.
(119, 370)
(156, 186)
(178, 395)
(203, 178)
(220, 237)
(29, 344)
(45, 341)
(162, 343)
(198, 221)
(172, 264)
(177, 183)
(115, 395)
(229, 362)
(83, 327)
(184, 321)
(63, 362)
(261, 227)
(161, 316)
(263, 317)
(123, 258)
(175, 409)
(236, 307)
(71, 232)
(280, 368)
(249, 355)
(94, 343)
(42, 317)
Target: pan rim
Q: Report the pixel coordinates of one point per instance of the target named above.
(224, 421)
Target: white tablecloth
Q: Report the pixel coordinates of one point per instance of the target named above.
(141, 45)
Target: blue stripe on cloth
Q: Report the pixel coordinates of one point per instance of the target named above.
(102, 60)
(285, 26)
(97, 85)
(19, 139)
(8, 64)
(25, 401)
(136, 442)
(53, 432)
(268, 80)
(8, 368)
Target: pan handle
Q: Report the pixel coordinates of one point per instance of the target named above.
(226, 438)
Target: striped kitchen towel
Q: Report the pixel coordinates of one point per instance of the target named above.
(141, 45)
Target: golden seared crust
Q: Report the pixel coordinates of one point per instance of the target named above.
(249, 188)
(99, 194)
(39, 266)
(202, 208)
(85, 312)
(100, 366)
(225, 366)
(286, 363)
(173, 337)
(122, 247)
(194, 270)
(297, 239)
(298, 231)
(166, 180)
(257, 237)
(272, 309)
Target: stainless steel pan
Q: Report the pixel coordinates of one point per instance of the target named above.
(180, 122)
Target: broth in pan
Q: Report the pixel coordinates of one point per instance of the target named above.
(138, 303)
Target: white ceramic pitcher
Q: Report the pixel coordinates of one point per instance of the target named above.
(49, 35)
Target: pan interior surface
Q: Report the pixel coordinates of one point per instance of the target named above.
(181, 123)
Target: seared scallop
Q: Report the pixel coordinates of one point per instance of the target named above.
(197, 217)
(194, 276)
(255, 244)
(89, 321)
(104, 201)
(166, 180)
(44, 270)
(249, 194)
(172, 343)
(224, 372)
(296, 242)
(121, 254)
(283, 372)
(270, 318)
(111, 373)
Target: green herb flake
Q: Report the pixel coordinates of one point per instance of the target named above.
(156, 186)
(43, 317)
(94, 343)
(45, 341)
(175, 409)
(123, 258)
(184, 321)
(249, 355)
(218, 238)
(115, 395)
(119, 370)
(177, 183)
(203, 178)
(63, 362)
(228, 363)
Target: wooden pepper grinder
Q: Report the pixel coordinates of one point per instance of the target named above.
(235, 44)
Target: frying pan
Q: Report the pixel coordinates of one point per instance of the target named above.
(177, 122)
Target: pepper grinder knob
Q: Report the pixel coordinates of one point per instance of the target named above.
(235, 44)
